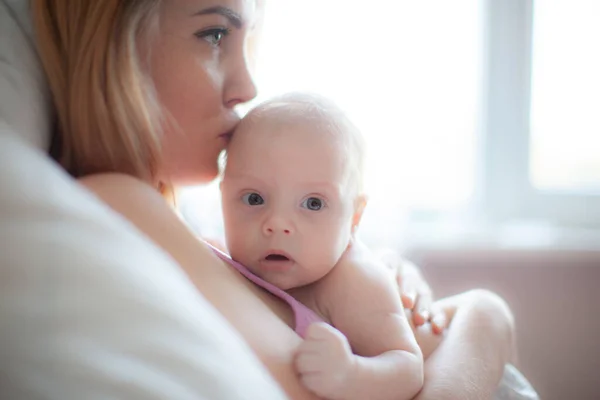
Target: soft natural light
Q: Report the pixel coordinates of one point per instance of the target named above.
(565, 113)
(407, 72)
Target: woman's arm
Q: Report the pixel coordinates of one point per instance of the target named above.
(470, 360)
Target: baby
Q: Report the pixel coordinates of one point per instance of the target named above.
(292, 197)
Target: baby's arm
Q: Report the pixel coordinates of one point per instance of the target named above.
(362, 302)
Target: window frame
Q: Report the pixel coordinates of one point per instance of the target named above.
(504, 191)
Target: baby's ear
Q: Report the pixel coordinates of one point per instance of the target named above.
(359, 207)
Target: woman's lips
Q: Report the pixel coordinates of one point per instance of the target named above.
(230, 129)
(226, 136)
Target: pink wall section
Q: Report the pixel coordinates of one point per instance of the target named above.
(555, 297)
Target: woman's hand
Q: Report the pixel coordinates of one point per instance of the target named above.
(415, 293)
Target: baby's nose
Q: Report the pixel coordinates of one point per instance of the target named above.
(277, 224)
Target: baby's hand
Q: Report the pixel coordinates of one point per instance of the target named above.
(325, 361)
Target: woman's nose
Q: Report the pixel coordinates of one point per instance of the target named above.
(240, 86)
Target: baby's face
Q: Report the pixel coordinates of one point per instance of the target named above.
(287, 208)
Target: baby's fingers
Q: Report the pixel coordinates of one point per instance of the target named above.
(307, 363)
(322, 332)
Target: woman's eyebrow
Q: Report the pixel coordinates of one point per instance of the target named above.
(234, 18)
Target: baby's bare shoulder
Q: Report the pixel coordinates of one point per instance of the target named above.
(352, 286)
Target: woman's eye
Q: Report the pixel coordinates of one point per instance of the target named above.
(313, 204)
(213, 36)
(253, 199)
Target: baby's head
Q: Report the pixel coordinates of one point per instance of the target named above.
(292, 189)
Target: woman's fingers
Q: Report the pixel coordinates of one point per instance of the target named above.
(392, 260)
(408, 299)
(421, 317)
(415, 293)
(418, 296)
(423, 304)
(442, 312)
(439, 323)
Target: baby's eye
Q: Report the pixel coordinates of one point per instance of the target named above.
(313, 204)
(253, 199)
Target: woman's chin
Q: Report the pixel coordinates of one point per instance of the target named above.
(195, 178)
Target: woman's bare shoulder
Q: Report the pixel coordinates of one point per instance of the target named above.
(121, 191)
(146, 209)
(136, 200)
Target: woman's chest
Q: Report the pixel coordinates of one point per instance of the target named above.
(258, 315)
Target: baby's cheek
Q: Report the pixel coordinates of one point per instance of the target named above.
(344, 236)
(236, 239)
(241, 251)
(334, 245)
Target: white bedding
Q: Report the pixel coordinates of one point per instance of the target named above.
(514, 386)
(89, 308)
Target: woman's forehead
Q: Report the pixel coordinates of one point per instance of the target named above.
(243, 10)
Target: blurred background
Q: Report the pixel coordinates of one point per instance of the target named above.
(482, 119)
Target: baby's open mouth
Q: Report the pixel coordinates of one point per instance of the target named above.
(276, 257)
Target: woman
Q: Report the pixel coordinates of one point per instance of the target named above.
(145, 93)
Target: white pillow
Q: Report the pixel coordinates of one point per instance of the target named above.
(24, 95)
(89, 309)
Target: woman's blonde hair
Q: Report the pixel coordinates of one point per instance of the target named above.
(108, 118)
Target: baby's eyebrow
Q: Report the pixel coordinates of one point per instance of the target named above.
(327, 187)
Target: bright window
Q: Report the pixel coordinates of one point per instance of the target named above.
(407, 74)
(479, 114)
(565, 112)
